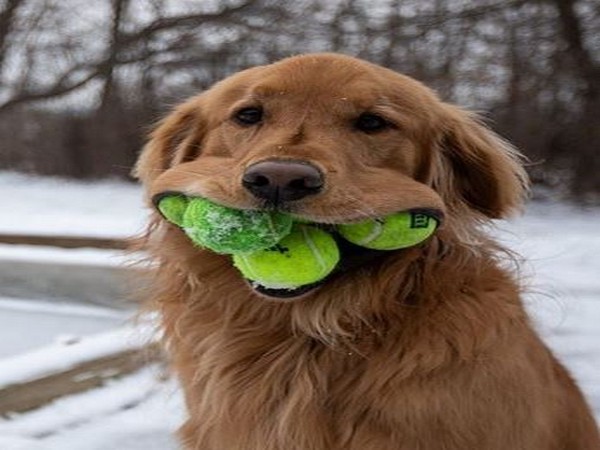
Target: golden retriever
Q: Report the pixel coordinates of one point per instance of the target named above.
(417, 349)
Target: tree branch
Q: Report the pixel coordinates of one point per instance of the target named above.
(7, 19)
(571, 29)
(64, 86)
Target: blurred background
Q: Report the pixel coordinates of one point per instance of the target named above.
(81, 84)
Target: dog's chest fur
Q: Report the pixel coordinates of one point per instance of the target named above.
(262, 387)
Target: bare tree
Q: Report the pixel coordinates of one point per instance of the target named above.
(7, 21)
(82, 71)
(587, 133)
(532, 65)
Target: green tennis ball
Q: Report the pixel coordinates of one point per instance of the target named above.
(227, 230)
(305, 256)
(393, 232)
(173, 207)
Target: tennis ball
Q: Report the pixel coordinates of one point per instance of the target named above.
(305, 256)
(400, 230)
(227, 230)
(173, 207)
(223, 229)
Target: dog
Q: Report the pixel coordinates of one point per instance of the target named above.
(422, 348)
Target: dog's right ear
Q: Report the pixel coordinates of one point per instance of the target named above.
(176, 139)
(476, 167)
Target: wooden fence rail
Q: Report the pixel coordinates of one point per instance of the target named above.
(21, 396)
(63, 241)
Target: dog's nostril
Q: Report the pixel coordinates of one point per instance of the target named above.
(298, 184)
(260, 181)
(250, 180)
(278, 181)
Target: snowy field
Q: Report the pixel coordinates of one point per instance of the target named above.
(561, 246)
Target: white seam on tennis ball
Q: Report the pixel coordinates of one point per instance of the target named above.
(253, 275)
(271, 224)
(314, 249)
(374, 234)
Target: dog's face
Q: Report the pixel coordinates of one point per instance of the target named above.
(330, 139)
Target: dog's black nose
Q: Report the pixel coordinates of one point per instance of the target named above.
(281, 181)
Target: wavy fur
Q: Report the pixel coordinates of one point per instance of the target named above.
(427, 348)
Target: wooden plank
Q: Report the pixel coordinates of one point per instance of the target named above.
(63, 241)
(20, 397)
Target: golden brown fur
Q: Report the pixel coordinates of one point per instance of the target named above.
(427, 348)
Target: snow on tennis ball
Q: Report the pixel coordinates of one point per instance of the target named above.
(305, 256)
(225, 230)
(393, 232)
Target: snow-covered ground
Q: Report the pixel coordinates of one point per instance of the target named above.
(561, 250)
(27, 324)
(560, 245)
(136, 412)
(56, 206)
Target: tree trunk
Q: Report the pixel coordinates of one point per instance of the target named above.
(7, 19)
(587, 132)
(109, 94)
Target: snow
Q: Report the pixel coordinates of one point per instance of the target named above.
(74, 256)
(53, 321)
(56, 206)
(560, 245)
(137, 412)
(65, 354)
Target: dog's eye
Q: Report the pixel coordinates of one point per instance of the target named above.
(371, 123)
(248, 116)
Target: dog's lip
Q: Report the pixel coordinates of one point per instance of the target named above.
(286, 294)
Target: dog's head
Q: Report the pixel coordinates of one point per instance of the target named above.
(331, 139)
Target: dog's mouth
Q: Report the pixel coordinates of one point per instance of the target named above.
(352, 257)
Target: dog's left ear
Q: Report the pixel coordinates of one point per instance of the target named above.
(175, 140)
(477, 168)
